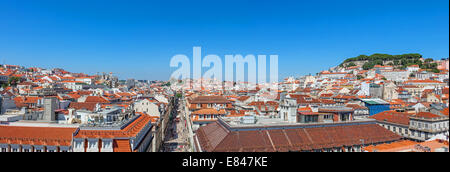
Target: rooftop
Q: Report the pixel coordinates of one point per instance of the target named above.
(50, 136)
(375, 101)
(234, 123)
(221, 137)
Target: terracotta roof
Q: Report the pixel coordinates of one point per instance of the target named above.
(96, 99)
(427, 115)
(401, 118)
(83, 105)
(243, 98)
(325, 101)
(355, 106)
(326, 95)
(50, 136)
(216, 138)
(84, 92)
(445, 111)
(445, 91)
(124, 94)
(26, 83)
(131, 130)
(27, 99)
(389, 146)
(408, 146)
(121, 145)
(306, 109)
(75, 96)
(423, 81)
(208, 112)
(209, 99)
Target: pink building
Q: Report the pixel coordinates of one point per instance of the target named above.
(443, 65)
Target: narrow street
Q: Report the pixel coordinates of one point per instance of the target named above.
(177, 139)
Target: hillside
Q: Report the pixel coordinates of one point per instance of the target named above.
(398, 61)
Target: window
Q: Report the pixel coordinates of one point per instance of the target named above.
(91, 144)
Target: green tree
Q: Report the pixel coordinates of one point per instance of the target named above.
(428, 60)
(396, 62)
(367, 66)
(351, 64)
(435, 70)
(13, 81)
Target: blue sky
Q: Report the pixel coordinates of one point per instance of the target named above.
(136, 39)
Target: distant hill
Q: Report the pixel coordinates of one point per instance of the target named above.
(398, 61)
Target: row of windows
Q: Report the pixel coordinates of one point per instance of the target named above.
(207, 116)
(394, 129)
(210, 105)
(427, 126)
(27, 150)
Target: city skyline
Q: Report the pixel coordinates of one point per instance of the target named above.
(97, 36)
(212, 81)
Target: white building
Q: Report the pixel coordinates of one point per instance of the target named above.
(148, 107)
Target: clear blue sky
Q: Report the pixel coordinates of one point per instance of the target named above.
(136, 39)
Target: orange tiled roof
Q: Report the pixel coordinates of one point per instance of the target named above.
(423, 81)
(392, 117)
(390, 146)
(122, 145)
(50, 136)
(27, 99)
(208, 112)
(445, 111)
(130, 130)
(96, 99)
(427, 115)
(83, 105)
(408, 146)
(306, 109)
